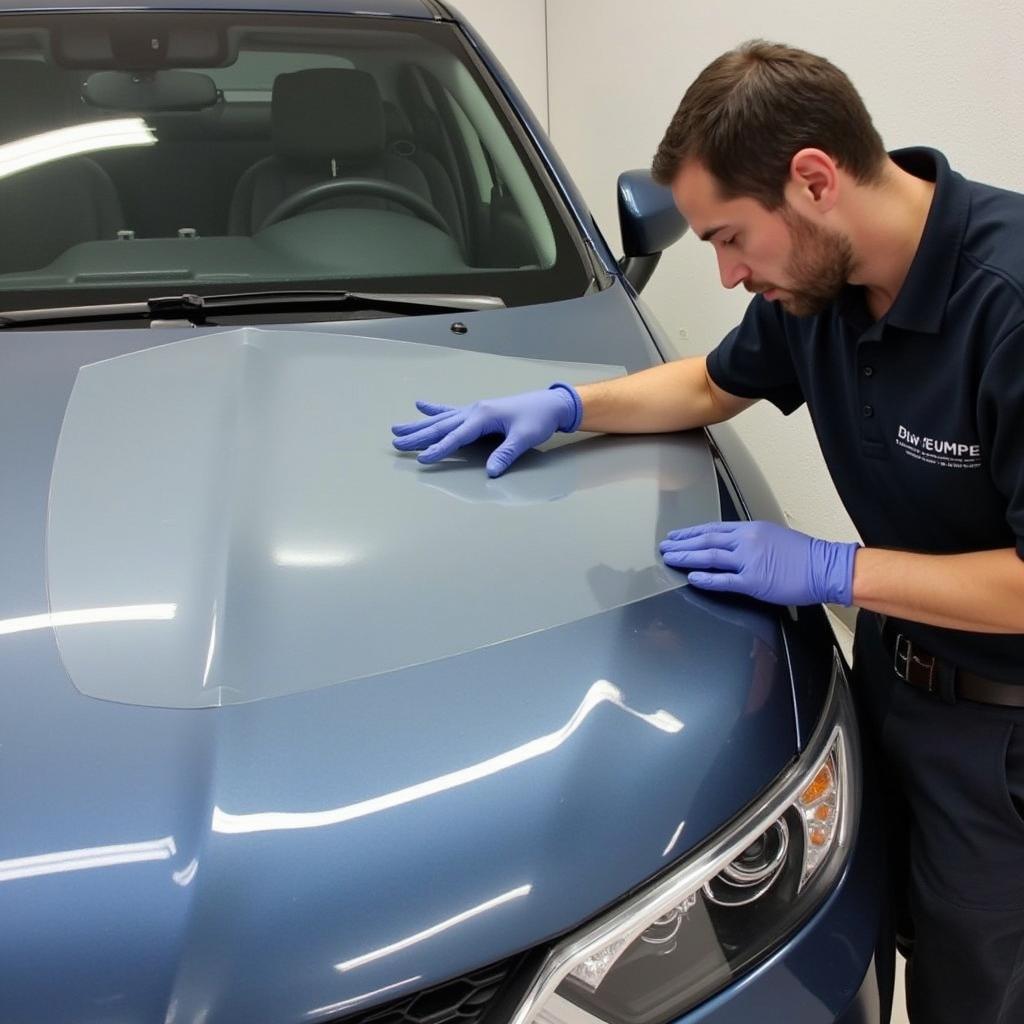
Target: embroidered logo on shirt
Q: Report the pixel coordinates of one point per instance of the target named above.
(938, 452)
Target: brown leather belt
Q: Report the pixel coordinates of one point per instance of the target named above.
(924, 671)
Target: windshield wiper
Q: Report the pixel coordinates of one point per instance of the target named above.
(173, 310)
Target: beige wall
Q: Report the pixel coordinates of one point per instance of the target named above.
(946, 73)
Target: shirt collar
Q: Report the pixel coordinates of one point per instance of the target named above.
(921, 301)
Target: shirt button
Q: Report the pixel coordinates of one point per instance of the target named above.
(868, 412)
(868, 370)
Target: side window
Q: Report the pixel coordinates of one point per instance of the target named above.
(251, 78)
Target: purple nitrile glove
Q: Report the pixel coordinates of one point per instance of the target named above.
(526, 420)
(763, 560)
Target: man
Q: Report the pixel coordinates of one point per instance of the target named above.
(889, 298)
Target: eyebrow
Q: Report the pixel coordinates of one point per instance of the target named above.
(711, 232)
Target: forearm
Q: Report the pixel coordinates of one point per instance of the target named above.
(675, 396)
(980, 591)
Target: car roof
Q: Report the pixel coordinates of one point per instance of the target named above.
(426, 9)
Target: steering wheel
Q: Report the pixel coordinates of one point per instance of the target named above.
(377, 187)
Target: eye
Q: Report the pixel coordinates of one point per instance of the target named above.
(730, 241)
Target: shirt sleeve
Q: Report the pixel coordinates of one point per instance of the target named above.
(1001, 425)
(753, 360)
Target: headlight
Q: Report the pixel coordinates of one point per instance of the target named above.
(723, 909)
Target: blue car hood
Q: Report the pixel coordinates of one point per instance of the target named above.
(293, 725)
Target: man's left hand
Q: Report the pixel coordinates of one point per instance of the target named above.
(763, 560)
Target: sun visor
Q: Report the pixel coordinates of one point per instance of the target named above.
(228, 520)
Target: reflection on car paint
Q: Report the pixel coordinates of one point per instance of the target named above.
(675, 839)
(599, 693)
(441, 926)
(82, 860)
(323, 1011)
(89, 617)
(186, 874)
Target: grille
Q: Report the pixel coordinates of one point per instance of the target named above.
(463, 1000)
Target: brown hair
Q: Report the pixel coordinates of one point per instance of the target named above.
(750, 110)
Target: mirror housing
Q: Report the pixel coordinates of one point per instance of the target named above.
(649, 222)
(142, 92)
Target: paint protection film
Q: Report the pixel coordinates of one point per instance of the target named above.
(228, 520)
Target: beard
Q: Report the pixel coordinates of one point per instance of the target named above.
(820, 264)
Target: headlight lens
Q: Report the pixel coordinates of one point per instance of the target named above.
(725, 907)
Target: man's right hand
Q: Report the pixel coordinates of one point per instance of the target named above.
(525, 420)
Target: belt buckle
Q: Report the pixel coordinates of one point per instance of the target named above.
(912, 668)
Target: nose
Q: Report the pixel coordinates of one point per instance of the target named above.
(731, 270)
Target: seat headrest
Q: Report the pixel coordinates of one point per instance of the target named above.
(326, 113)
(34, 98)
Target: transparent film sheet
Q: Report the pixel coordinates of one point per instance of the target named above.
(228, 520)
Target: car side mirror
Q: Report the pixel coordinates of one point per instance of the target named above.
(649, 222)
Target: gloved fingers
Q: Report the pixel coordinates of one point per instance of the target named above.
(712, 539)
(428, 435)
(465, 433)
(700, 529)
(723, 582)
(432, 408)
(718, 559)
(506, 453)
(401, 429)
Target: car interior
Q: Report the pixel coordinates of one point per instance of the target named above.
(297, 154)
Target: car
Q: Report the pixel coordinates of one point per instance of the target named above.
(295, 729)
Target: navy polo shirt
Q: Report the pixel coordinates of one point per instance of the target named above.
(920, 415)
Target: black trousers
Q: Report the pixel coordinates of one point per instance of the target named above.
(952, 780)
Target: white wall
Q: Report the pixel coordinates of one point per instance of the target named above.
(946, 73)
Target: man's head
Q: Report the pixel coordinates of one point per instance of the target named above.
(758, 155)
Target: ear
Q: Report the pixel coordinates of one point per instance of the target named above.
(813, 185)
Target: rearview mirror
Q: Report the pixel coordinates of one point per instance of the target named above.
(139, 91)
(649, 222)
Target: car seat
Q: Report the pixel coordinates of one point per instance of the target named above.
(325, 123)
(47, 208)
(402, 141)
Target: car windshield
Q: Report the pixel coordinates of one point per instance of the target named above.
(148, 153)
